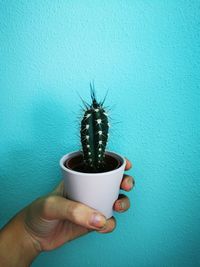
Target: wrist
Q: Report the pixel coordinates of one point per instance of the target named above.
(16, 241)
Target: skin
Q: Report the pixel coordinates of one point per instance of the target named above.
(52, 220)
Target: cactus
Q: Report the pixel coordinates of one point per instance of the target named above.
(94, 133)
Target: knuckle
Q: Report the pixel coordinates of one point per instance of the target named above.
(48, 202)
(76, 212)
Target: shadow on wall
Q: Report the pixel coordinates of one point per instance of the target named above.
(29, 164)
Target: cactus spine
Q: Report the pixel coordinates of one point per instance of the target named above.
(94, 133)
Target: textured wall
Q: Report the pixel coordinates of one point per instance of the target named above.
(147, 54)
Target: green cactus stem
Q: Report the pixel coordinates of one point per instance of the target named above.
(94, 133)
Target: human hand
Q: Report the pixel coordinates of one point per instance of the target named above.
(53, 220)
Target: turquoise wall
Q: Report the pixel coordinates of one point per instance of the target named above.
(147, 54)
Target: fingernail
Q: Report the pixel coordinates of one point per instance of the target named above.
(121, 205)
(130, 183)
(97, 220)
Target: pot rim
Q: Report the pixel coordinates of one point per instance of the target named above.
(79, 152)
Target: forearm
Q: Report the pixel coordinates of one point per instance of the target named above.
(16, 245)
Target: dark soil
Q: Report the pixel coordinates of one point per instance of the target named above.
(76, 164)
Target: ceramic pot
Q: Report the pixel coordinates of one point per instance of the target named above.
(97, 190)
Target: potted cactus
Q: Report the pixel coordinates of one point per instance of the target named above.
(93, 175)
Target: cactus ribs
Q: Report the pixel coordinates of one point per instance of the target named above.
(94, 133)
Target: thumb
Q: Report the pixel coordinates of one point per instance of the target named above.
(57, 207)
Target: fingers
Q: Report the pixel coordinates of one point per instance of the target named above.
(128, 165)
(122, 204)
(57, 207)
(127, 182)
(109, 226)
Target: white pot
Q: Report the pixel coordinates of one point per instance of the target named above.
(97, 190)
